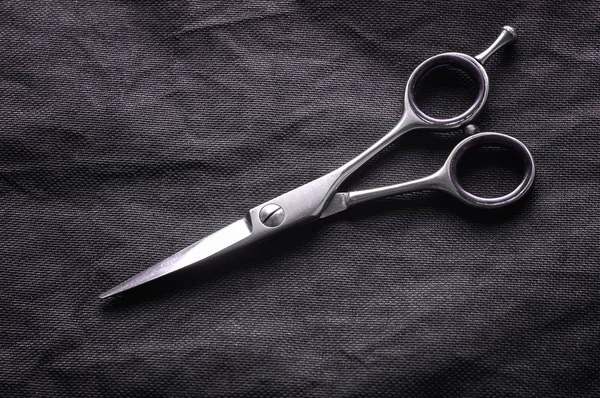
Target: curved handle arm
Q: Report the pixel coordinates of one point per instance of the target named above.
(446, 178)
(433, 181)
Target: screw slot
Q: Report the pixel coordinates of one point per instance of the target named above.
(271, 215)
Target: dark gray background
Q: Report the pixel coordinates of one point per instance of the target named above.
(130, 129)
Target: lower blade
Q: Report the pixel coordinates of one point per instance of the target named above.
(218, 242)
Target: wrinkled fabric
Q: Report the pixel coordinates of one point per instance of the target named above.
(130, 129)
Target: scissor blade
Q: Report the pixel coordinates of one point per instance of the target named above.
(218, 242)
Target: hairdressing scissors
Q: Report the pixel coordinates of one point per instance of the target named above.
(320, 199)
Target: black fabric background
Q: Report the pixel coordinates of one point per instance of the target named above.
(130, 129)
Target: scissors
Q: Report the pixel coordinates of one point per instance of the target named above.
(319, 198)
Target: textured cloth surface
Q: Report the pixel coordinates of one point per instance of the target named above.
(130, 129)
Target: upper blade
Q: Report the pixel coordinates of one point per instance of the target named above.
(218, 242)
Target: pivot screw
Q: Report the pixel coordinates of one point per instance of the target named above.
(271, 215)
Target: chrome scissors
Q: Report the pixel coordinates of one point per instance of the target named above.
(319, 198)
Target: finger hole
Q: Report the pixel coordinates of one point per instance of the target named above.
(445, 92)
(495, 186)
(447, 74)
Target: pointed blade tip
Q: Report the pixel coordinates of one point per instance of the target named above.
(111, 292)
(207, 247)
(106, 294)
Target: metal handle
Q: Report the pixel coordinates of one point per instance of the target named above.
(463, 62)
(414, 118)
(473, 66)
(446, 179)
